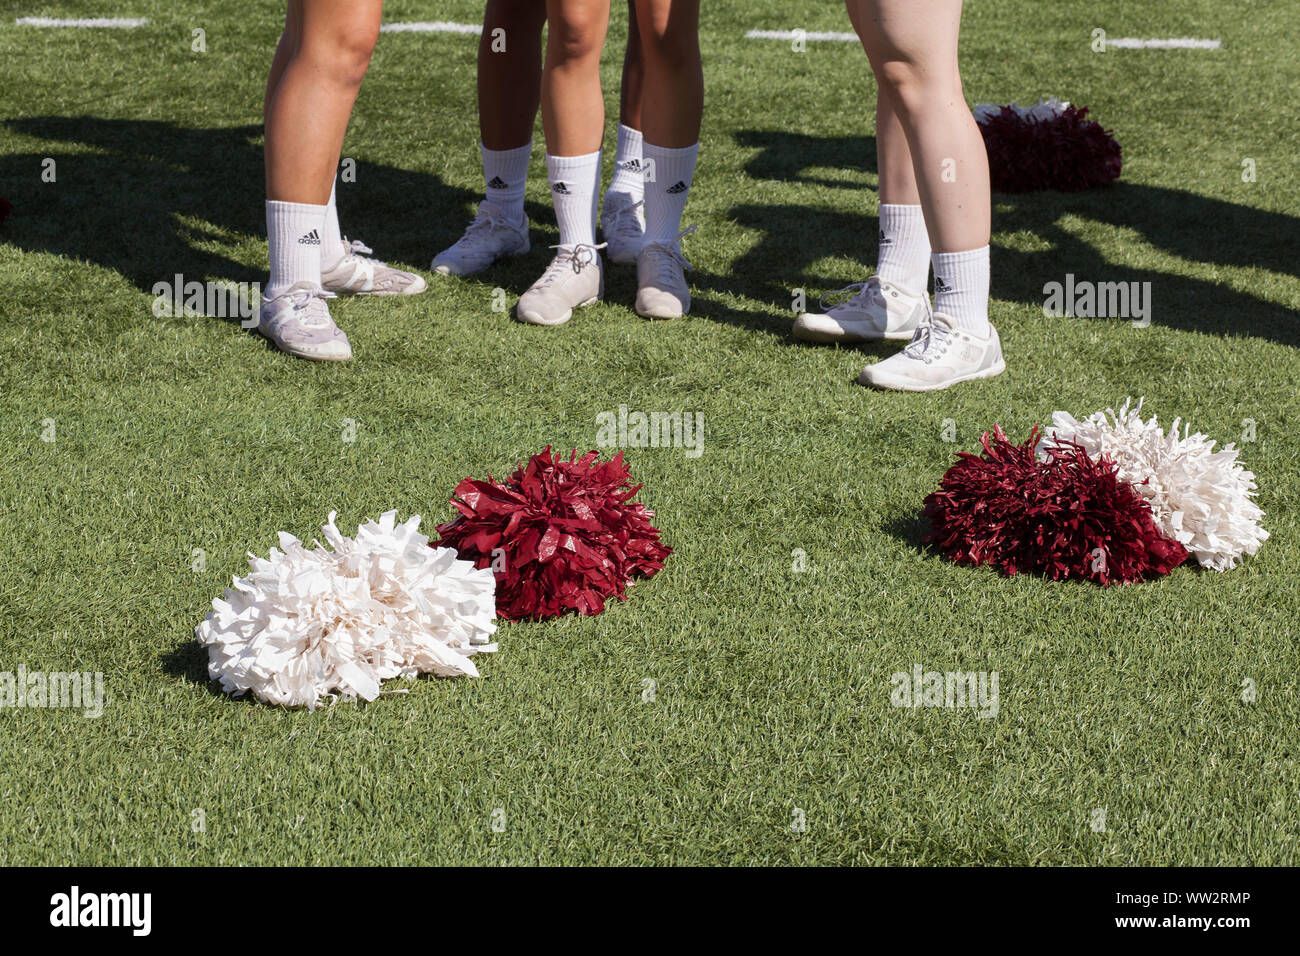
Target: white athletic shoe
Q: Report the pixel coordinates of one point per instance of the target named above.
(623, 225)
(575, 277)
(489, 237)
(298, 322)
(939, 355)
(661, 289)
(357, 275)
(876, 310)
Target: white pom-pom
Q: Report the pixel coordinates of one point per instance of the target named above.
(313, 622)
(1047, 108)
(1200, 497)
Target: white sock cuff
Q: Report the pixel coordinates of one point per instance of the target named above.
(279, 208)
(505, 173)
(907, 222)
(516, 159)
(959, 262)
(670, 163)
(961, 287)
(903, 253)
(629, 141)
(294, 234)
(557, 166)
(575, 189)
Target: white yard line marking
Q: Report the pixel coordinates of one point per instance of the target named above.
(438, 26)
(1174, 43)
(124, 23)
(801, 35)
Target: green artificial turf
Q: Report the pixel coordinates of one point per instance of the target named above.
(771, 700)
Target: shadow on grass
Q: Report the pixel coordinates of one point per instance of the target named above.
(188, 661)
(911, 530)
(1178, 223)
(150, 199)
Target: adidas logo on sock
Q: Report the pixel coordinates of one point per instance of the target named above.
(497, 183)
(311, 239)
(941, 286)
(884, 239)
(632, 165)
(681, 187)
(560, 188)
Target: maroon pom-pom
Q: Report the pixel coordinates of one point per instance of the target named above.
(1068, 152)
(1065, 516)
(560, 535)
(6, 207)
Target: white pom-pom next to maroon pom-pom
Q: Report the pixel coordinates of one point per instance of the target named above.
(1202, 498)
(312, 623)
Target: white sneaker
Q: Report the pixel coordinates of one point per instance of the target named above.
(661, 289)
(359, 275)
(491, 236)
(623, 224)
(575, 277)
(298, 322)
(877, 309)
(939, 355)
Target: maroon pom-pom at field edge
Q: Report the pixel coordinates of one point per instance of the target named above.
(560, 535)
(1063, 516)
(1066, 151)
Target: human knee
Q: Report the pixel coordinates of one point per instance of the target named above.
(913, 90)
(576, 37)
(343, 53)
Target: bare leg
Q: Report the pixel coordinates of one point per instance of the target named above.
(573, 109)
(912, 45)
(307, 111)
(629, 105)
(672, 102)
(510, 81)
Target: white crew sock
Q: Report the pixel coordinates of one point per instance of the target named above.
(961, 288)
(903, 257)
(666, 193)
(331, 237)
(293, 233)
(628, 184)
(575, 184)
(506, 173)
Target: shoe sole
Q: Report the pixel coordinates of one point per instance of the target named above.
(655, 316)
(539, 320)
(306, 355)
(816, 335)
(990, 372)
(409, 290)
(446, 270)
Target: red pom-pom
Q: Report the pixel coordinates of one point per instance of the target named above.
(565, 535)
(1066, 516)
(6, 207)
(1068, 152)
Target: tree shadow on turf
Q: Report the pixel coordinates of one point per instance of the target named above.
(1177, 223)
(150, 199)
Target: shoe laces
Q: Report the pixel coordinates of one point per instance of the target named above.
(667, 254)
(485, 223)
(625, 223)
(853, 295)
(929, 341)
(355, 247)
(575, 257)
(305, 301)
